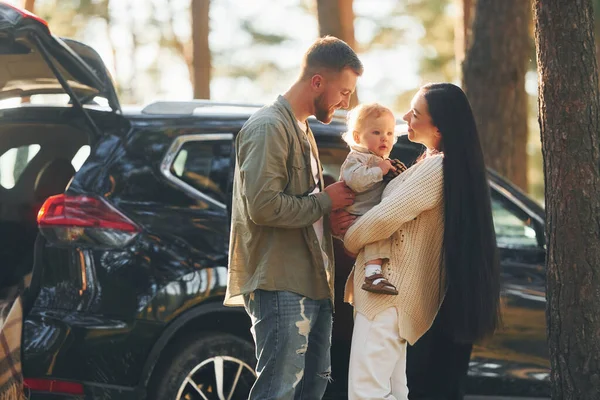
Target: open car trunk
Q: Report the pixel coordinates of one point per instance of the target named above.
(37, 160)
(40, 150)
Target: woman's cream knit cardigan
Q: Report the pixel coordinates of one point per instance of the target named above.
(411, 215)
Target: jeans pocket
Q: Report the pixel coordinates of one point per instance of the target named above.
(252, 303)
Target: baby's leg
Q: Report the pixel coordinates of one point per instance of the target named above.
(375, 282)
(373, 267)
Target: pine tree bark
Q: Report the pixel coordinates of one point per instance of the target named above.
(494, 79)
(596, 6)
(29, 5)
(201, 49)
(336, 18)
(569, 105)
(463, 31)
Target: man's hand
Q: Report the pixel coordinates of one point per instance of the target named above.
(340, 194)
(340, 222)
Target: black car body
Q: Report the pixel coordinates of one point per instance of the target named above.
(126, 269)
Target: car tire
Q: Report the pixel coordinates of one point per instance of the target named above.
(214, 365)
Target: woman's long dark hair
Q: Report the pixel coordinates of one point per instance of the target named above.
(470, 310)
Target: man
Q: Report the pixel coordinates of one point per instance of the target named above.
(281, 255)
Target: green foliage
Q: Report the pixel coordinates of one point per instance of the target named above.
(74, 15)
(438, 63)
(260, 37)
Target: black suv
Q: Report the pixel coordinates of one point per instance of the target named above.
(115, 225)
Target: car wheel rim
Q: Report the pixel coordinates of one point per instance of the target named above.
(218, 378)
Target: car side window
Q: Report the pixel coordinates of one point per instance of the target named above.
(514, 228)
(204, 165)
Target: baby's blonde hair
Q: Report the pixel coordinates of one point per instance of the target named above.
(356, 118)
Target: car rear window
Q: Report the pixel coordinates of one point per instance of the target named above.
(13, 163)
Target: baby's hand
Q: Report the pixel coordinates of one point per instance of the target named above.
(399, 167)
(386, 166)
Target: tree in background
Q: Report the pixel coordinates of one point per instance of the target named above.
(22, 155)
(336, 18)
(463, 32)
(596, 4)
(29, 5)
(201, 49)
(569, 108)
(438, 62)
(73, 17)
(194, 50)
(494, 79)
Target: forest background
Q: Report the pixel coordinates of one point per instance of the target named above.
(250, 51)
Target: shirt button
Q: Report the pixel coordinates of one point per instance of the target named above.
(315, 241)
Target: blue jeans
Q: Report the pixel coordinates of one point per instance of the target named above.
(292, 334)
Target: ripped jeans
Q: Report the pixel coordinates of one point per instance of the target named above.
(292, 334)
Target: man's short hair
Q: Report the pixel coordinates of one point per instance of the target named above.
(329, 53)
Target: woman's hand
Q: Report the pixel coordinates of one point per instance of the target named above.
(340, 222)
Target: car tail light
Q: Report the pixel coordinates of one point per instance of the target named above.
(53, 386)
(27, 14)
(85, 221)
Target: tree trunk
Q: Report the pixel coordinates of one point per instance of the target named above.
(569, 121)
(596, 6)
(463, 31)
(111, 45)
(494, 78)
(201, 49)
(336, 18)
(132, 88)
(597, 34)
(29, 5)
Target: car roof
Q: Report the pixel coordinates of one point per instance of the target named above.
(223, 111)
(205, 108)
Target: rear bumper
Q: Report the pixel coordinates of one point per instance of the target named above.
(105, 356)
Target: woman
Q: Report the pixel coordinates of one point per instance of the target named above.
(438, 215)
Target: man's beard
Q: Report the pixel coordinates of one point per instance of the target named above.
(322, 112)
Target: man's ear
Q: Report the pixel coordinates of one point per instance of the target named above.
(317, 82)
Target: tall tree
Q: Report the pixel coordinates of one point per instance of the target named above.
(201, 49)
(438, 61)
(494, 78)
(29, 5)
(336, 18)
(194, 50)
(569, 108)
(463, 30)
(596, 4)
(22, 157)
